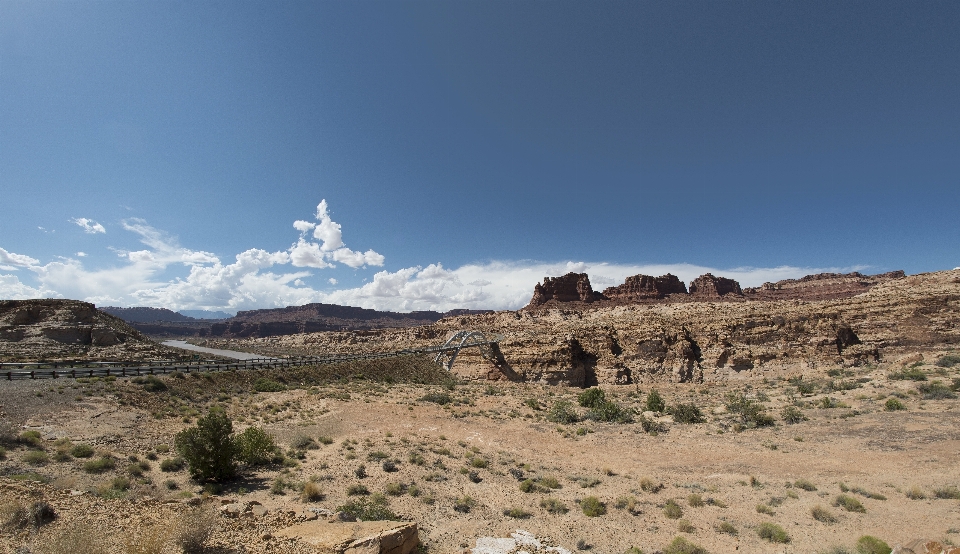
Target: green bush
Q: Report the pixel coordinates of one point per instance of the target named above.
(172, 464)
(562, 412)
(81, 451)
(936, 391)
(210, 449)
(686, 413)
(749, 411)
(36, 457)
(592, 507)
(517, 513)
(464, 504)
(908, 374)
(655, 402)
(591, 397)
(872, 545)
(727, 527)
(804, 485)
(373, 508)
(255, 447)
(609, 412)
(31, 438)
(792, 415)
(893, 405)
(99, 465)
(681, 545)
(849, 503)
(441, 398)
(948, 360)
(152, 384)
(672, 510)
(948, 492)
(773, 533)
(553, 505)
(823, 515)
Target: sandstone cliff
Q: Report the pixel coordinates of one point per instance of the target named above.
(646, 287)
(683, 341)
(572, 287)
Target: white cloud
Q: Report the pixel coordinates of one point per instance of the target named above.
(81, 254)
(89, 226)
(303, 226)
(328, 231)
(332, 281)
(12, 289)
(330, 248)
(10, 261)
(307, 254)
(357, 259)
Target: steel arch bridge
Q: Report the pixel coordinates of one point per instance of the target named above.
(447, 353)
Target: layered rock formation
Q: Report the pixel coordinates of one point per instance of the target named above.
(68, 329)
(646, 287)
(708, 286)
(822, 286)
(572, 287)
(683, 341)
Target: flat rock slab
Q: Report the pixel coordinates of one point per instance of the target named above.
(359, 537)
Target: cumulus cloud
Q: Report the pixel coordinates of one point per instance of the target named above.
(12, 289)
(10, 261)
(89, 226)
(331, 248)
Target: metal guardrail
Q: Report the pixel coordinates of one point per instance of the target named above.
(73, 370)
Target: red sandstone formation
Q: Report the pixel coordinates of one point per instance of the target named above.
(707, 285)
(822, 286)
(646, 287)
(572, 287)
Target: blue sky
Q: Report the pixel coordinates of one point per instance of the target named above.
(160, 153)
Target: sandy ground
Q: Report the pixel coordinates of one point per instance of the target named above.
(500, 432)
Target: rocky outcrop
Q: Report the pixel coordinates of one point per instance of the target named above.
(925, 546)
(360, 537)
(68, 329)
(709, 286)
(579, 344)
(572, 287)
(646, 287)
(822, 286)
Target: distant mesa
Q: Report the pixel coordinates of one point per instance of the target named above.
(645, 287)
(574, 288)
(707, 285)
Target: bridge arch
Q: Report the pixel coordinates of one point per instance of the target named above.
(447, 353)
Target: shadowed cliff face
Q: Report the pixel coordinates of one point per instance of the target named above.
(686, 341)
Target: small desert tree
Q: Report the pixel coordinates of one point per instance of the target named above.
(209, 448)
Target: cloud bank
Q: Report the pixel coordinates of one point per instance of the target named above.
(89, 226)
(259, 278)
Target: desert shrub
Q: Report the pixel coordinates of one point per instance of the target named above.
(593, 507)
(823, 515)
(654, 402)
(672, 510)
(193, 529)
(553, 505)
(31, 438)
(764, 509)
(649, 485)
(72, 539)
(562, 411)
(848, 503)
(863, 492)
(684, 526)
(686, 413)
(872, 545)
(357, 490)
(935, 391)
(464, 504)
(417, 458)
(255, 446)
(152, 384)
(804, 484)
(172, 464)
(389, 466)
(550, 482)
(955, 385)
(152, 540)
(15, 516)
(727, 527)
(908, 374)
(652, 427)
(99, 465)
(680, 545)
(948, 492)
(915, 493)
(695, 501)
(609, 412)
(517, 513)
(325, 440)
(628, 503)
(772, 532)
(81, 451)
(311, 492)
(268, 385)
(210, 448)
(750, 412)
(591, 397)
(394, 489)
(303, 442)
(792, 415)
(529, 485)
(893, 405)
(36, 457)
(437, 398)
(948, 360)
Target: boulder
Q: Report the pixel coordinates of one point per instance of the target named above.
(708, 285)
(925, 546)
(361, 537)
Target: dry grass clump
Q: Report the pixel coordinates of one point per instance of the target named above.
(194, 528)
(311, 492)
(849, 503)
(822, 515)
(915, 493)
(672, 510)
(593, 507)
(152, 540)
(72, 539)
(773, 533)
(681, 545)
(805, 485)
(554, 505)
(695, 501)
